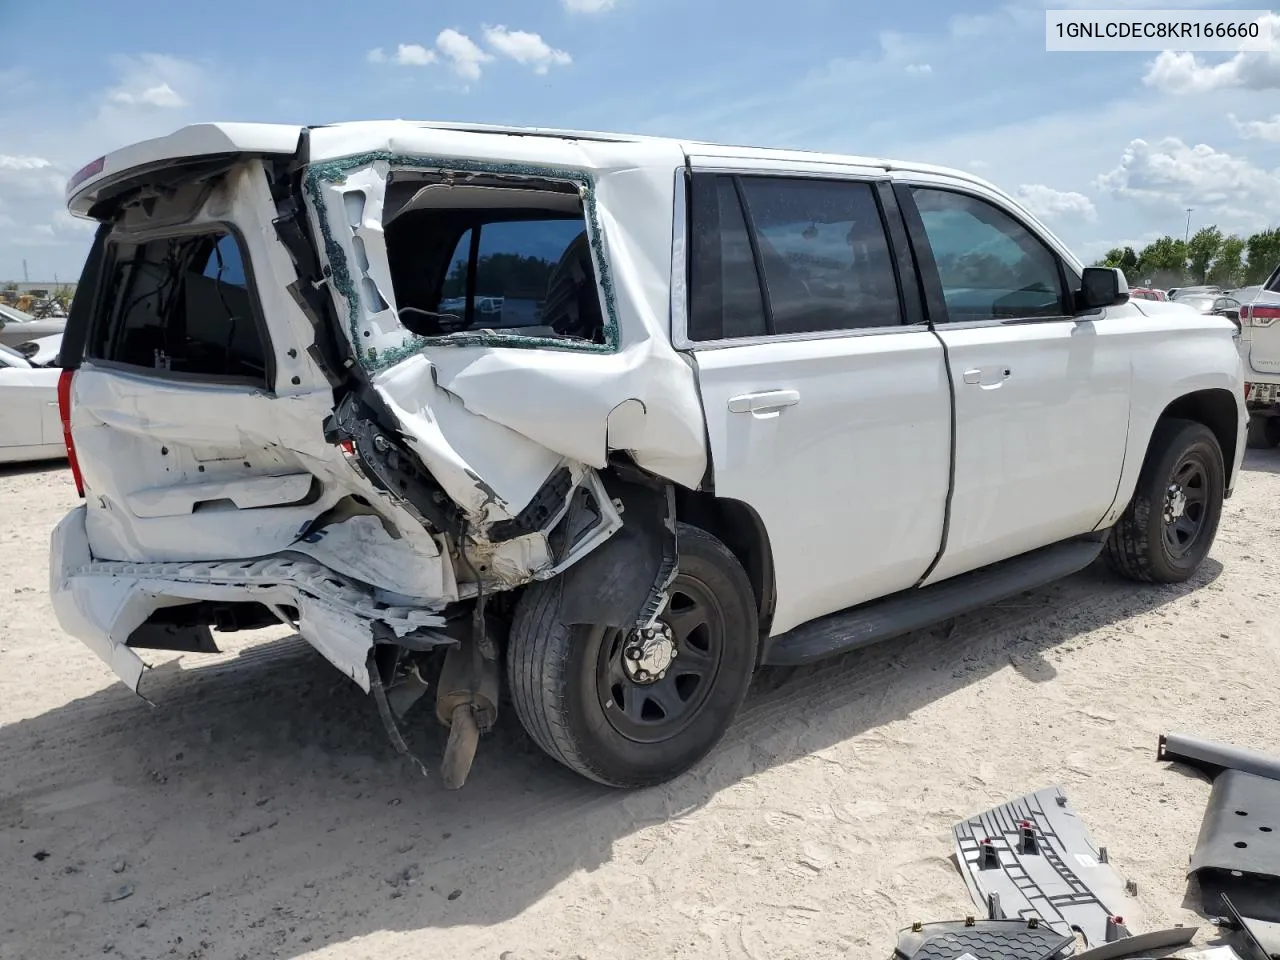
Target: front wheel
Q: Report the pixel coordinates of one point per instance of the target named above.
(629, 709)
(1166, 531)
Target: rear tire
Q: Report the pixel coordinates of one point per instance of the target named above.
(582, 701)
(1166, 531)
(1264, 432)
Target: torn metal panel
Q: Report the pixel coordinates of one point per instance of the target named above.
(489, 470)
(577, 384)
(103, 602)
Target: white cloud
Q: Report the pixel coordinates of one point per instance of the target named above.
(10, 162)
(1257, 129)
(1181, 72)
(464, 56)
(1172, 175)
(376, 55)
(29, 175)
(588, 6)
(1050, 204)
(919, 69)
(526, 48)
(414, 55)
(161, 95)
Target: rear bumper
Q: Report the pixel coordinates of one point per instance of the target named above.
(101, 603)
(1260, 394)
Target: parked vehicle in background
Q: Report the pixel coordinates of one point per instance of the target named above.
(30, 426)
(690, 409)
(1260, 350)
(1220, 305)
(42, 352)
(1183, 292)
(1147, 293)
(17, 326)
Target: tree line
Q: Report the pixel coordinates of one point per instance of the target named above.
(1209, 257)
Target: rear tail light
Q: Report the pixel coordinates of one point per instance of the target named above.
(1257, 315)
(64, 411)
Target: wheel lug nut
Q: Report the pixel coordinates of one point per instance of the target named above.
(635, 653)
(641, 675)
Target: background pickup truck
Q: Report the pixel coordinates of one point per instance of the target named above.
(1260, 349)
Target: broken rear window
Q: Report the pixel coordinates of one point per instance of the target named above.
(181, 305)
(475, 259)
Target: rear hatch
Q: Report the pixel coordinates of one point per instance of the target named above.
(1260, 328)
(198, 382)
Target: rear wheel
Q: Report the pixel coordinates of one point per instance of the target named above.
(629, 709)
(1264, 432)
(1166, 531)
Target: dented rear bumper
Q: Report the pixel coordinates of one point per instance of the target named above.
(102, 603)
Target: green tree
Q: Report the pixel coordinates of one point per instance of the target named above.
(1228, 266)
(1202, 250)
(1165, 261)
(1263, 251)
(1122, 257)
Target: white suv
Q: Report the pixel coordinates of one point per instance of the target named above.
(1260, 348)
(612, 420)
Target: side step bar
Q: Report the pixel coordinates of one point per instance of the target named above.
(917, 608)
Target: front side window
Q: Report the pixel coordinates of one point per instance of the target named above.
(991, 267)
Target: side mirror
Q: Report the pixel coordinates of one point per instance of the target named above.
(1101, 287)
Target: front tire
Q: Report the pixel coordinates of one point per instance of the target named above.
(1166, 531)
(623, 720)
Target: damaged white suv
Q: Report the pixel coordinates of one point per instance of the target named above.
(609, 420)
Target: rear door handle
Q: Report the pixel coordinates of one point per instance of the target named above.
(767, 402)
(987, 376)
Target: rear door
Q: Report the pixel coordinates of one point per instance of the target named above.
(1261, 328)
(826, 398)
(1041, 396)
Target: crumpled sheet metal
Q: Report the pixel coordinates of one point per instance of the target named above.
(102, 603)
(559, 395)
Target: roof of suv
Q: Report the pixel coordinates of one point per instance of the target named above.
(345, 139)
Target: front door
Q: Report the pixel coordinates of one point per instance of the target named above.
(1042, 396)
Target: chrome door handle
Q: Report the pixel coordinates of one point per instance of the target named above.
(767, 401)
(987, 377)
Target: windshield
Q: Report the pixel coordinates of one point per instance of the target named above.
(14, 315)
(11, 358)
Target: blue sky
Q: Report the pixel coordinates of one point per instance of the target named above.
(1109, 148)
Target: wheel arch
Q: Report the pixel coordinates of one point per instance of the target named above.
(738, 527)
(1216, 408)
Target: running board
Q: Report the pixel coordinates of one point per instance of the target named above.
(922, 607)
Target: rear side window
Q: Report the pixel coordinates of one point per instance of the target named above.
(824, 253)
(819, 245)
(725, 300)
(991, 267)
(1273, 284)
(181, 305)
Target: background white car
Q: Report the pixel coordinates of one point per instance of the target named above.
(17, 327)
(30, 426)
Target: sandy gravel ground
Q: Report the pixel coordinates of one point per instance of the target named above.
(257, 811)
